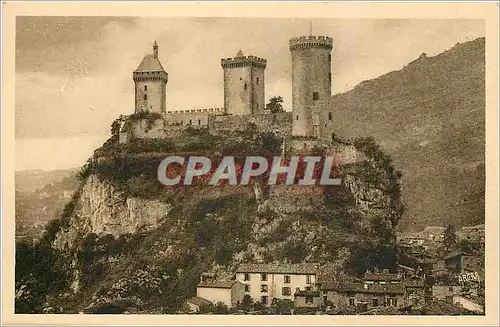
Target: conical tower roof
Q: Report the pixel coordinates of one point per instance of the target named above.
(150, 63)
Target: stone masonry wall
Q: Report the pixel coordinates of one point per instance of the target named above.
(280, 123)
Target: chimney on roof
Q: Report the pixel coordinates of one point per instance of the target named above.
(155, 49)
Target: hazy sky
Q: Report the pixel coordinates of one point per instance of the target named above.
(74, 74)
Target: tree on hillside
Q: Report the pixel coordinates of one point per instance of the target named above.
(275, 105)
(450, 237)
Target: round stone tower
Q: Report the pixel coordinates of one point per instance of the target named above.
(311, 80)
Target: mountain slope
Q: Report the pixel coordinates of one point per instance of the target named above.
(40, 197)
(430, 117)
(30, 181)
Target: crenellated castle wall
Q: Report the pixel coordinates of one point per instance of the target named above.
(172, 123)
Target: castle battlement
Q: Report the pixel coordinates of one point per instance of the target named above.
(311, 41)
(150, 76)
(198, 110)
(243, 61)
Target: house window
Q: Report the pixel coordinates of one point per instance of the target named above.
(263, 288)
(315, 96)
(245, 86)
(325, 299)
(351, 302)
(263, 300)
(286, 279)
(263, 277)
(375, 302)
(145, 96)
(247, 288)
(393, 302)
(308, 279)
(309, 299)
(145, 88)
(257, 81)
(286, 291)
(246, 277)
(329, 116)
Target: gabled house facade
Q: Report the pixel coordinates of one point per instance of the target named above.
(228, 291)
(266, 282)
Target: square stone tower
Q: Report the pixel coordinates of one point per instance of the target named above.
(244, 84)
(150, 84)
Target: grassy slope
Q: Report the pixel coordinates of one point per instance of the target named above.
(430, 118)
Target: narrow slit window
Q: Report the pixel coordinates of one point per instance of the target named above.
(329, 116)
(245, 86)
(145, 88)
(145, 96)
(257, 81)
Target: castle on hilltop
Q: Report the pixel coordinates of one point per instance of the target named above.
(244, 96)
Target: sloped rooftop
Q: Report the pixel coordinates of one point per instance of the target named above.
(288, 268)
(149, 64)
(219, 283)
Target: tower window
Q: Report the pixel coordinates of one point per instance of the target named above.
(190, 122)
(145, 96)
(315, 96)
(245, 86)
(330, 76)
(297, 118)
(329, 57)
(145, 88)
(199, 121)
(329, 116)
(257, 81)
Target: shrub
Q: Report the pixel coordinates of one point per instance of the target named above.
(221, 308)
(282, 307)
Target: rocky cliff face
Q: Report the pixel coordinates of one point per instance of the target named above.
(102, 209)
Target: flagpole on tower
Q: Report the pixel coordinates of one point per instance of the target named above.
(310, 28)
